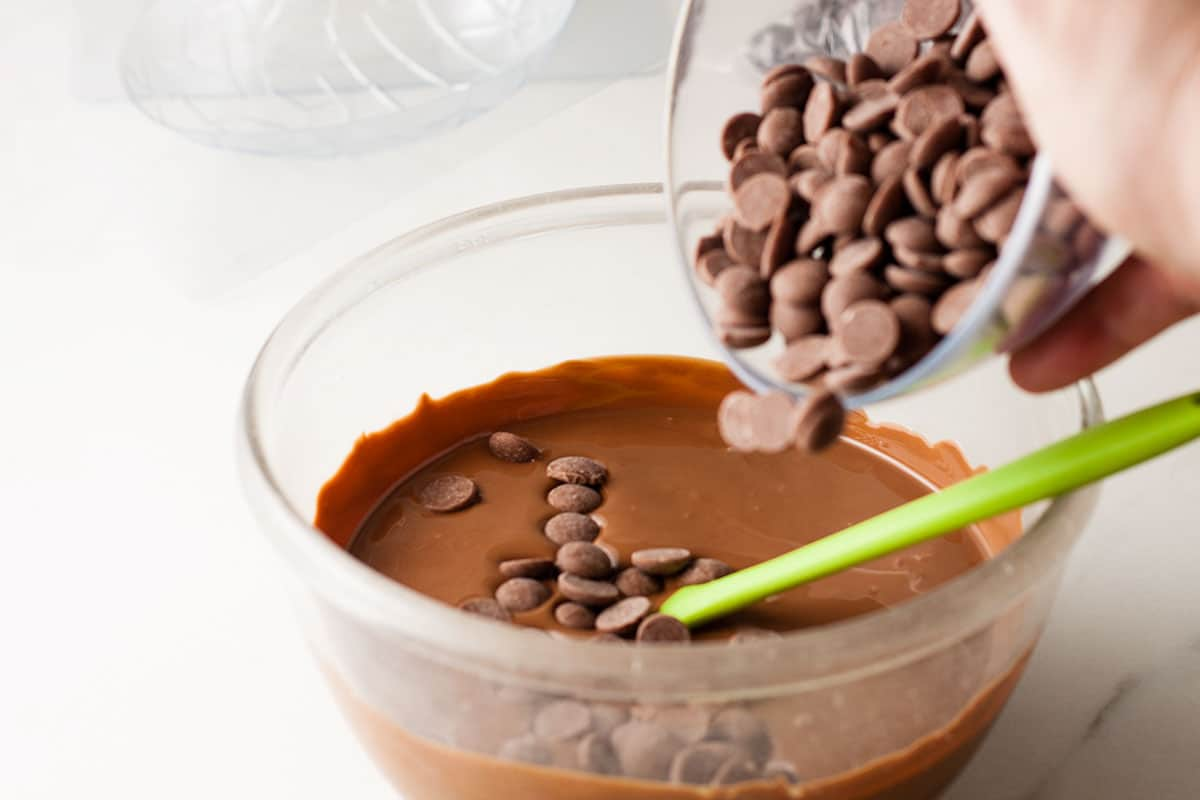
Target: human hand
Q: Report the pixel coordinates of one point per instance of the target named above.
(1111, 91)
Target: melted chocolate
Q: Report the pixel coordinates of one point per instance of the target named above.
(673, 483)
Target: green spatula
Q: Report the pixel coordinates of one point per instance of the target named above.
(1055, 470)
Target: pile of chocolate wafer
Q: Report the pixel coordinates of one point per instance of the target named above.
(592, 589)
(871, 197)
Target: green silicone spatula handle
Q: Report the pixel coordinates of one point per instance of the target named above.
(1057, 469)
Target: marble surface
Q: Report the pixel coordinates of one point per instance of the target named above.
(149, 650)
(1109, 706)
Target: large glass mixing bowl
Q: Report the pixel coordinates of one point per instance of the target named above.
(720, 54)
(532, 282)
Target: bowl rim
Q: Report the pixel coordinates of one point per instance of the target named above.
(818, 656)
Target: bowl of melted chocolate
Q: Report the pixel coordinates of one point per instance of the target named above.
(488, 450)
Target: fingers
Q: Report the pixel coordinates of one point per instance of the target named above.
(1130, 307)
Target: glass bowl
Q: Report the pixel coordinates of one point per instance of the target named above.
(529, 283)
(720, 54)
(298, 77)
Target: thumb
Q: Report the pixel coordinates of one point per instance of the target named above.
(1051, 49)
(1048, 51)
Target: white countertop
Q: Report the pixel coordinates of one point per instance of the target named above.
(149, 650)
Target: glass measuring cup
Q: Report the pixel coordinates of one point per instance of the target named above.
(720, 53)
